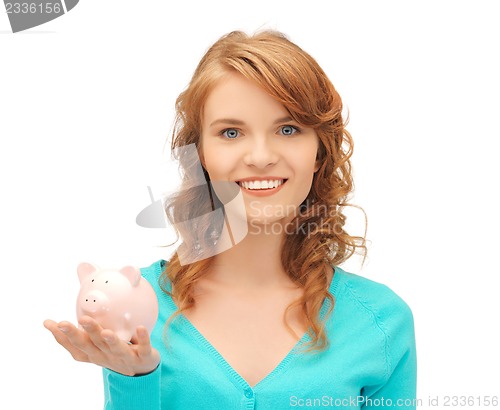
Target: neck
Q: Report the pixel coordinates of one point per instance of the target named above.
(253, 263)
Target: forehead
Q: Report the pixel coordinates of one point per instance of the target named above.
(235, 96)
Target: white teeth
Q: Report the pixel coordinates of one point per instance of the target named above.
(266, 184)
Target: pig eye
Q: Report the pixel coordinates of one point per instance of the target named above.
(106, 282)
(92, 280)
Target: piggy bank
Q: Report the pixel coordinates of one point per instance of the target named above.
(119, 300)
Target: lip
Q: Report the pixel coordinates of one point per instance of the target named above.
(262, 192)
(266, 178)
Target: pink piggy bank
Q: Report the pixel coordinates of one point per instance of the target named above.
(119, 300)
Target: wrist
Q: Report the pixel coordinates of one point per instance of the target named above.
(148, 372)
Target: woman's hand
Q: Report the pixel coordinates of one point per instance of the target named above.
(93, 344)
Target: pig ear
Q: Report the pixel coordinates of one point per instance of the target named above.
(132, 273)
(85, 269)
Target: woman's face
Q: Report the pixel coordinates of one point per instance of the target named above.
(250, 139)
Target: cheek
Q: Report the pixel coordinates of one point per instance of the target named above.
(206, 154)
(305, 162)
(215, 164)
(308, 151)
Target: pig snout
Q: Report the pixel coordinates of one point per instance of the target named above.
(94, 302)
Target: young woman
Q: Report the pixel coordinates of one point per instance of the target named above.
(265, 319)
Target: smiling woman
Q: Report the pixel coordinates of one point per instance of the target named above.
(274, 316)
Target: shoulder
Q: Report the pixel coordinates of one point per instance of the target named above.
(155, 269)
(153, 272)
(376, 297)
(161, 286)
(375, 312)
(374, 306)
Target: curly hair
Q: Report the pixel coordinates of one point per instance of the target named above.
(294, 79)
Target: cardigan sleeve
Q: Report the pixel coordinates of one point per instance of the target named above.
(399, 387)
(132, 392)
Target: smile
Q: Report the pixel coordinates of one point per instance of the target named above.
(261, 184)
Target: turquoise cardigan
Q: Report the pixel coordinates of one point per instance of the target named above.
(370, 362)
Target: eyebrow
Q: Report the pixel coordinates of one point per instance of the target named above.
(233, 121)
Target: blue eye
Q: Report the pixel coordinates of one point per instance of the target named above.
(288, 130)
(230, 133)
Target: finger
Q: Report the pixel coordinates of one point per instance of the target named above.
(49, 324)
(114, 345)
(59, 333)
(79, 338)
(143, 342)
(93, 329)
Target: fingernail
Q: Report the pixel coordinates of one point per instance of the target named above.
(63, 329)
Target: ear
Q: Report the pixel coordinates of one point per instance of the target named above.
(85, 269)
(132, 273)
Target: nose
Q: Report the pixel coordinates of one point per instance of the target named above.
(93, 302)
(260, 153)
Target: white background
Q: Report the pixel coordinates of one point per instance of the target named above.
(86, 106)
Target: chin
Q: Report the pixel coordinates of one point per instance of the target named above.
(269, 225)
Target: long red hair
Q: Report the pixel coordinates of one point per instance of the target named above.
(293, 78)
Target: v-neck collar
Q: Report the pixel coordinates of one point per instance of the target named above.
(233, 375)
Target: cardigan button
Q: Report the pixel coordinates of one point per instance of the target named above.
(248, 393)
